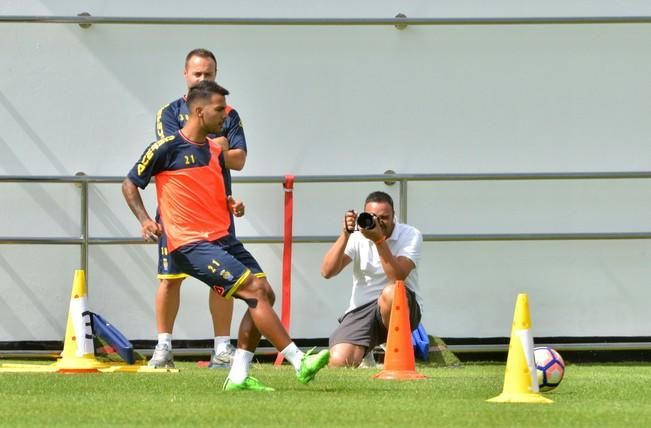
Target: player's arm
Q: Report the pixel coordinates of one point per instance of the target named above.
(166, 122)
(336, 259)
(235, 153)
(237, 207)
(151, 161)
(233, 158)
(150, 230)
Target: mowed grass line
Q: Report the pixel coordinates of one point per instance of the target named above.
(590, 395)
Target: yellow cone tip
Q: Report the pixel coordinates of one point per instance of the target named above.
(522, 318)
(79, 285)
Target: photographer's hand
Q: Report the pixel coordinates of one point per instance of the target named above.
(375, 234)
(349, 221)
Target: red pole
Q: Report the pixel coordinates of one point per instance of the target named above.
(286, 303)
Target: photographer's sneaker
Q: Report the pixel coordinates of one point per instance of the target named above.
(162, 358)
(223, 360)
(311, 364)
(248, 384)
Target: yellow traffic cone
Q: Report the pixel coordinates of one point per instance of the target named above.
(78, 354)
(520, 379)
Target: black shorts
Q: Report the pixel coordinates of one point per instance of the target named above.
(363, 325)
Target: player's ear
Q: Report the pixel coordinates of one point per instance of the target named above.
(198, 110)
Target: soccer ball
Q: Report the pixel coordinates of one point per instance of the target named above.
(549, 366)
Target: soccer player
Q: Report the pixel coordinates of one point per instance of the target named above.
(382, 252)
(200, 64)
(195, 209)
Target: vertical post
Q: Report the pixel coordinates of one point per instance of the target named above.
(84, 225)
(402, 217)
(288, 235)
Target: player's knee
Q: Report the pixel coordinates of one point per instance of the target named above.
(262, 290)
(271, 296)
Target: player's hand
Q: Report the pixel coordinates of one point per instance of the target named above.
(151, 230)
(349, 221)
(222, 142)
(237, 207)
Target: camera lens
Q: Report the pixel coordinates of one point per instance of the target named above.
(366, 221)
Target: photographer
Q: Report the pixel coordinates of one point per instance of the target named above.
(382, 251)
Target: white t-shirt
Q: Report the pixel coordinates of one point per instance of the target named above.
(369, 279)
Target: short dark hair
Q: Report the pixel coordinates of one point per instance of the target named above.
(201, 53)
(379, 196)
(203, 91)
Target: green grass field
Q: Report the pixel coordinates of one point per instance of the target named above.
(605, 395)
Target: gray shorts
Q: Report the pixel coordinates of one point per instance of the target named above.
(363, 326)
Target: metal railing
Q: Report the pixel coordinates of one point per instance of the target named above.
(401, 21)
(85, 241)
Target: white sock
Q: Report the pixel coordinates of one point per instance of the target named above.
(240, 366)
(221, 343)
(293, 355)
(165, 339)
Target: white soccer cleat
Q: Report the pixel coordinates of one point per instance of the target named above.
(162, 358)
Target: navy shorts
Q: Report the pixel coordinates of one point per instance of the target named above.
(166, 267)
(223, 264)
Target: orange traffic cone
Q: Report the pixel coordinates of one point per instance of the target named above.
(78, 354)
(399, 360)
(520, 378)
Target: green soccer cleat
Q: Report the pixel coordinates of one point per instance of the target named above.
(248, 384)
(311, 364)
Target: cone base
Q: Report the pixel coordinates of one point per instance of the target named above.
(26, 368)
(106, 368)
(136, 369)
(515, 397)
(399, 375)
(79, 365)
(77, 370)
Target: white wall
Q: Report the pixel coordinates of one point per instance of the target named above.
(343, 100)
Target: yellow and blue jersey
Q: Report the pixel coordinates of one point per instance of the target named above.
(173, 116)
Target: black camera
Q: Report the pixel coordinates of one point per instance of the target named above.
(366, 220)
